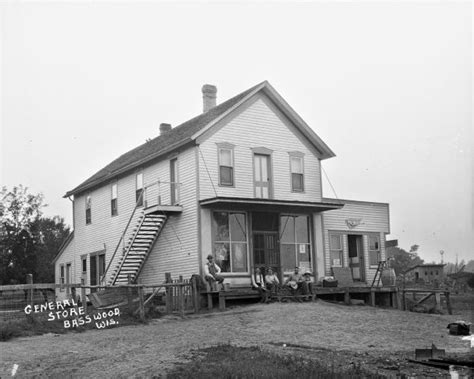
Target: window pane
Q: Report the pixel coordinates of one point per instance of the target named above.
(287, 229)
(257, 168)
(239, 257)
(237, 227)
(225, 157)
(84, 265)
(297, 182)
(226, 175)
(263, 164)
(222, 256)
(336, 258)
(114, 191)
(88, 201)
(101, 264)
(335, 242)
(296, 165)
(221, 226)
(288, 257)
(302, 232)
(139, 181)
(373, 243)
(374, 258)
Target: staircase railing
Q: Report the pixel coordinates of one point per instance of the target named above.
(137, 205)
(170, 194)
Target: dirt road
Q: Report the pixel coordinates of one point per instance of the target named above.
(147, 350)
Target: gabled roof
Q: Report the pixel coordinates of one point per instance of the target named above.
(63, 246)
(189, 131)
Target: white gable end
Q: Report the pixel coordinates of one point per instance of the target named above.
(258, 124)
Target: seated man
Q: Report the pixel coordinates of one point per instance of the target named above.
(271, 280)
(296, 281)
(212, 272)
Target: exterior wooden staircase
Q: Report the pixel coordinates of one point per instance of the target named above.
(138, 248)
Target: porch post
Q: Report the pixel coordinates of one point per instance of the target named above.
(318, 247)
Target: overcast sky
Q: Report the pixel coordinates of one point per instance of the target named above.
(388, 86)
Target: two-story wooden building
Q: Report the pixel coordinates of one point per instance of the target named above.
(241, 181)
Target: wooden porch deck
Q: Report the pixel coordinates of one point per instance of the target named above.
(373, 296)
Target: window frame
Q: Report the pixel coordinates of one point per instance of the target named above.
(378, 250)
(88, 205)
(139, 190)
(96, 255)
(84, 272)
(221, 146)
(62, 276)
(114, 200)
(300, 156)
(230, 242)
(333, 251)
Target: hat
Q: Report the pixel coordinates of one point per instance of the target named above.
(210, 256)
(308, 272)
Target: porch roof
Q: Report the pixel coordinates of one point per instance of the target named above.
(234, 203)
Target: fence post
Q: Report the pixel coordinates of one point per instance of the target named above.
(181, 295)
(29, 280)
(141, 303)
(448, 303)
(195, 295)
(83, 296)
(169, 294)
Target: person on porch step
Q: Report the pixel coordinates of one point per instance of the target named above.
(271, 281)
(258, 284)
(308, 277)
(296, 281)
(212, 272)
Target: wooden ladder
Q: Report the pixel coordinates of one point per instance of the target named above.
(378, 273)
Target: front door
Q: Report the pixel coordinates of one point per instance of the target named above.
(356, 257)
(266, 252)
(262, 176)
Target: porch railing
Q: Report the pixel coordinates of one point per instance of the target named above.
(161, 193)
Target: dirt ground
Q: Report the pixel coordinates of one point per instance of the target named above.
(379, 339)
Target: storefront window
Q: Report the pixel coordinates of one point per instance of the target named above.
(230, 241)
(295, 242)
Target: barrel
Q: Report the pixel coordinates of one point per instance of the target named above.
(388, 277)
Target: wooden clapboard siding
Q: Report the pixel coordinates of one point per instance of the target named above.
(258, 124)
(67, 256)
(176, 249)
(105, 230)
(374, 220)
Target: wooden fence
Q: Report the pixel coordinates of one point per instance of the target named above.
(177, 296)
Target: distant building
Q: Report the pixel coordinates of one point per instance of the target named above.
(427, 273)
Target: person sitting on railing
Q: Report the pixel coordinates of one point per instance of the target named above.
(212, 272)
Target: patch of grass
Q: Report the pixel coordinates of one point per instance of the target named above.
(29, 326)
(227, 361)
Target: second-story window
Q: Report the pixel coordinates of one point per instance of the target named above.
(226, 164)
(297, 173)
(113, 201)
(88, 209)
(139, 189)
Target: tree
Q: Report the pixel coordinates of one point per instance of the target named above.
(28, 242)
(402, 260)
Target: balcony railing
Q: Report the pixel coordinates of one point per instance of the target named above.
(161, 193)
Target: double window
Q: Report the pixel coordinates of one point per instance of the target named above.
(226, 163)
(374, 249)
(335, 249)
(295, 242)
(88, 209)
(230, 241)
(113, 201)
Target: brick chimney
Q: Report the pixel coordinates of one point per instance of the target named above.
(164, 128)
(209, 93)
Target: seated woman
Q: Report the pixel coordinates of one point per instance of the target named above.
(271, 281)
(258, 284)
